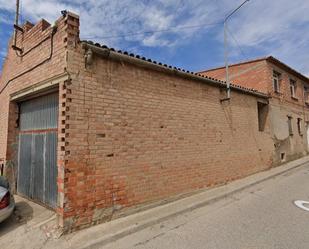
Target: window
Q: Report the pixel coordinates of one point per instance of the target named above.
(290, 125)
(262, 115)
(282, 156)
(276, 81)
(299, 126)
(293, 88)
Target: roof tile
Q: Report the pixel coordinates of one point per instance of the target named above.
(175, 68)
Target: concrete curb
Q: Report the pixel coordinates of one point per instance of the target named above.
(116, 229)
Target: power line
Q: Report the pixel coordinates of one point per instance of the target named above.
(172, 28)
(179, 5)
(129, 19)
(237, 44)
(156, 31)
(146, 5)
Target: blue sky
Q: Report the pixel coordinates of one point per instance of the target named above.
(194, 39)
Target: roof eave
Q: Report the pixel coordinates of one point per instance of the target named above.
(287, 68)
(109, 53)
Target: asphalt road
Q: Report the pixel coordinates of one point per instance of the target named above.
(261, 217)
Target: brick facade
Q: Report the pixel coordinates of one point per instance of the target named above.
(44, 62)
(136, 136)
(251, 74)
(19, 73)
(129, 135)
(258, 74)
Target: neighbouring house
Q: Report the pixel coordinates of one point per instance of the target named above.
(288, 104)
(95, 133)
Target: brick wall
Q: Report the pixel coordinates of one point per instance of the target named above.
(292, 146)
(135, 136)
(284, 105)
(250, 74)
(15, 75)
(44, 59)
(285, 93)
(130, 136)
(258, 74)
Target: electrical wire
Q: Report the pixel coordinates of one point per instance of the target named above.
(156, 31)
(129, 19)
(237, 44)
(172, 28)
(39, 64)
(34, 47)
(126, 20)
(179, 5)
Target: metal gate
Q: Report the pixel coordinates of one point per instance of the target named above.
(37, 157)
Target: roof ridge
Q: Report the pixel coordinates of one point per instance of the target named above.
(238, 63)
(270, 57)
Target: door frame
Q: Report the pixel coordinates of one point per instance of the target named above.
(19, 132)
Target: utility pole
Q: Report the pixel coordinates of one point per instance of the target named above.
(16, 29)
(16, 21)
(228, 89)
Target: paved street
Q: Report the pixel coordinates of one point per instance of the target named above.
(261, 217)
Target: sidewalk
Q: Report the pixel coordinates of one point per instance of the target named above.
(100, 235)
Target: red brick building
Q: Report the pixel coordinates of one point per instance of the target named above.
(96, 133)
(289, 103)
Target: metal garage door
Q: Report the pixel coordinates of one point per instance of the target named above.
(37, 167)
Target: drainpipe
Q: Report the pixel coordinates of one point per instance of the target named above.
(89, 57)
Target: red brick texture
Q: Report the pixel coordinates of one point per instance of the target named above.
(250, 74)
(130, 136)
(258, 74)
(13, 76)
(135, 136)
(44, 58)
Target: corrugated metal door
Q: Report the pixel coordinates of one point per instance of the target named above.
(37, 169)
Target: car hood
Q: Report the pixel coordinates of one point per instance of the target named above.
(3, 191)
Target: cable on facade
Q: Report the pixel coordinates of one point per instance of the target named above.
(39, 64)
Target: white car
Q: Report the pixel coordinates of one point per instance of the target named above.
(7, 203)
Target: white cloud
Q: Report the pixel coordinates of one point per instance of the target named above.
(108, 18)
(277, 28)
(2, 52)
(265, 27)
(2, 55)
(5, 20)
